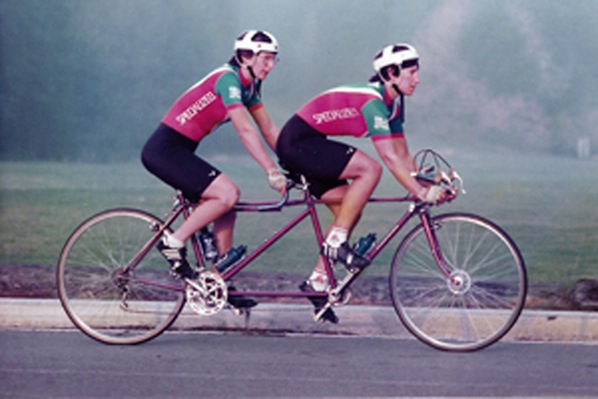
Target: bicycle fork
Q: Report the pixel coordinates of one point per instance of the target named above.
(336, 295)
(430, 229)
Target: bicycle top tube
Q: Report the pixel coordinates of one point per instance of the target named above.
(286, 201)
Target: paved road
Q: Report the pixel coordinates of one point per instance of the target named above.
(537, 326)
(67, 364)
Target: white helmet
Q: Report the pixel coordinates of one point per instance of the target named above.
(400, 54)
(256, 41)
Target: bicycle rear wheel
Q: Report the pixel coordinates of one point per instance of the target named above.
(107, 302)
(482, 299)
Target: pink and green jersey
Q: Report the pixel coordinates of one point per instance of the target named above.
(205, 105)
(360, 110)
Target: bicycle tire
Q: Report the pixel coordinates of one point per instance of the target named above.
(103, 303)
(475, 314)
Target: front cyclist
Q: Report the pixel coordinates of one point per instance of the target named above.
(342, 175)
(225, 94)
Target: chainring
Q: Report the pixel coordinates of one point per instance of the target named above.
(207, 294)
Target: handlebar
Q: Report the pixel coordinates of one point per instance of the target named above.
(270, 206)
(432, 168)
(277, 205)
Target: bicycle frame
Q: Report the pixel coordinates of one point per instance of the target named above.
(457, 280)
(182, 206)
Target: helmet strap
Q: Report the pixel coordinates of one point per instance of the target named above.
(241, 63)
(395, 86)
(250, 69)
(402, 108)
(237, 58)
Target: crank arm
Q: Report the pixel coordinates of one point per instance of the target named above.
(318, 316)
(345, 283)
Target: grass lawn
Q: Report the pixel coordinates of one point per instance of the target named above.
(548, 205)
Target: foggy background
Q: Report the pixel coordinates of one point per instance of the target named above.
(90, 80)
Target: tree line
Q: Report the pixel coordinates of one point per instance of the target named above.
(89, 81)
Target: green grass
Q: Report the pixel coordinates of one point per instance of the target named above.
(548, 205)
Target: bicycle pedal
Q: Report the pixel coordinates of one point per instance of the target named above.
(236, 311)
(240, 311)
(340, 296)
(241, 302)
(175, 275)
(325, 314)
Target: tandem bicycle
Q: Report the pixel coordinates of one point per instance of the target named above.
(457, 280)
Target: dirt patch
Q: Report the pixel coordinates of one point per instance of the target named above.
(39, 281)
(27, 281)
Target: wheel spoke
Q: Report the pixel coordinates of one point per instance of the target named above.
(105, 304)
(481, 300)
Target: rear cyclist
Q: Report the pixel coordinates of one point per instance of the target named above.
(225, 94)
(341, 175)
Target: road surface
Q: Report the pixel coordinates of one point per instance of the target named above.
(67, 364)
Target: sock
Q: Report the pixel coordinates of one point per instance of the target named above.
(173, 242)
(318, 281)
(336, 237)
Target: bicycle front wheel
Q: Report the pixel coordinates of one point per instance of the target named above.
(481, 298)
(112, 283)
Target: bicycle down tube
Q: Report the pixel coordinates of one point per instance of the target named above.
(309, 212)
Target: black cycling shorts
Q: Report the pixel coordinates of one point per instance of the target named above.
(302, 149)
(170, 156)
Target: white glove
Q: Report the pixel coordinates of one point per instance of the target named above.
(276, 179)
(432, 195)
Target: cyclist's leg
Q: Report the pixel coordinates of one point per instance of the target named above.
(171, 157)
(327, 165)
(334, 207)
(223, 231)
(217, 200)
(364, 173)
(333, 199)
(322, 161)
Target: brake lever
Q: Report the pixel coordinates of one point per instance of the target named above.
(455, 176)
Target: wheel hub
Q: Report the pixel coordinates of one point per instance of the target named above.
(459, 283)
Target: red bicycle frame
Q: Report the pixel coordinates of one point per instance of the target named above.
(310, 212)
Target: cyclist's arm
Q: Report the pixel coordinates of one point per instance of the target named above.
(250, 138)
(394, 152)
(402, 149)
(266, 125)
(388, 139)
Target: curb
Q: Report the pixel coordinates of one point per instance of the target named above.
(532, 326)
